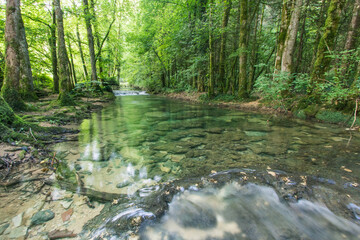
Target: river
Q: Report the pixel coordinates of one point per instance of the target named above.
(167, 169)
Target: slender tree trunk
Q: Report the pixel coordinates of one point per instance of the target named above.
(254, 50)
(352, 38)
(72, 66)
(86, 75)
(285, 21)
(243, 81)
(2, 68)
(225, 21)
(64, 71)
(327, 42)
(289, 46)
(11, 85)
(26, 79)
(90, 40)
(211, 83)
(97, 37)
(300, 48)
(320, 21)
(52, 43)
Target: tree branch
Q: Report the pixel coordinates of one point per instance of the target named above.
(103, 41)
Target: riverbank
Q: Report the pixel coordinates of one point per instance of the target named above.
(49, 123)
(315, 113)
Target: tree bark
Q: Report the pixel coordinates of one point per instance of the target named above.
(289, 46)
(26, 79)
(64, 71)
(86, 75)
(11, 85)
(211, 83)
(327, 42)
(353, 31)
(97, 37)
(285, 21)
(90, 40)
(222, 61)
(243, 82)
(52, 43)
(72, 66)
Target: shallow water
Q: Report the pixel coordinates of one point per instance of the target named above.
(140, 142)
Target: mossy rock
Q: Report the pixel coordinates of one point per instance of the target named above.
(300, 114)
(311, 110)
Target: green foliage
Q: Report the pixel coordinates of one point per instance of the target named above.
(333, 117)
(42, 81)
(272, 86)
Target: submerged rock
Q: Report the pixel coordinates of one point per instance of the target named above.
(123, 184)
(3, 227)
(18, 233)
(17, 220)
(42, 217)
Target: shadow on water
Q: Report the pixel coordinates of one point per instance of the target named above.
(160, 152)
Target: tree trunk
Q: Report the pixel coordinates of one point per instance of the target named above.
(225, 21)
(320, 21)
(243, 49)
(64, 71)
(90, 40)
(351, 39)
(327, 42)
(26, 79)
(300, 48)
(86, 75)
(289, 46)
(11, 85)
(97, 37)
(354, 27)
(285, 21)
(52, 43)
(211, 83)
(72, 66)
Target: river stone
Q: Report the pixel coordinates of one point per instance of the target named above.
(18, 233)
(78, 167)
(42, 217)
(17, 220)
(215, 130)
(3, 227)
(123, 184)
(255, 133)
(66, 204)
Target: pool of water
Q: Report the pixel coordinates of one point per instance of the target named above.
(170, 157)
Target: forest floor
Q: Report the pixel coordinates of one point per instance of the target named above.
(47, 113)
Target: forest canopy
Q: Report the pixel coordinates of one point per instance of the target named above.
(292, 52)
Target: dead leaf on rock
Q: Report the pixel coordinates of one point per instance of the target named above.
(65, 216)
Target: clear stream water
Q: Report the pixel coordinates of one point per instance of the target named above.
(192, 171)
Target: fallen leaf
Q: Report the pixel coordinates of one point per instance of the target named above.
(272, 173)
(66, 215)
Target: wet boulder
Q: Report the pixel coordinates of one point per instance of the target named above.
(42, 217)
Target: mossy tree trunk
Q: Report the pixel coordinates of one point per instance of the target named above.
(289, 45)
(11, 86)
(326, 43)
(90, 40)
(97, 38)
(52, 43)
(243, 81)
(225, 21)
(64, 71)
(351, 39)
(26, 78)
(284, 25)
